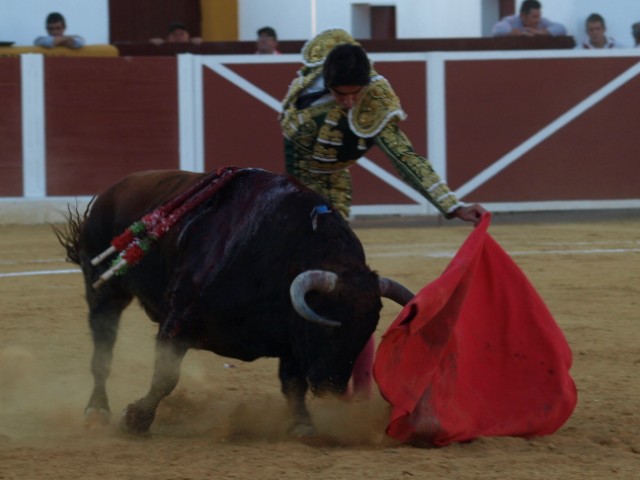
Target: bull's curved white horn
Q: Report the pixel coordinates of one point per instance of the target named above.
(318, 281)
(395, 291)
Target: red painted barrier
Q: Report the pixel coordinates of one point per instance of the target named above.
(520, 130)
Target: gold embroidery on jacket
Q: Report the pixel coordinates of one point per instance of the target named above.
(376, 106)
(316, 50)
(415, 169)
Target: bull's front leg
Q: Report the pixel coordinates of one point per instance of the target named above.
(138, 416)
(294, 387)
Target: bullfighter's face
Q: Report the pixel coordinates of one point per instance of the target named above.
(346, 95)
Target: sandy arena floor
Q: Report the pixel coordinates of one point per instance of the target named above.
(225, 420)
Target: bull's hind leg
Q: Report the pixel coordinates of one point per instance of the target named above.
(294, 387)
(138, 416)
(105, 309)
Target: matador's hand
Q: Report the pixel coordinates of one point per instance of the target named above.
(470, 213)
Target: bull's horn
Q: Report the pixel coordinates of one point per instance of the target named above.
(395, 291)
(316, 280)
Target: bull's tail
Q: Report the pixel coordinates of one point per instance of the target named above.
(69, 235)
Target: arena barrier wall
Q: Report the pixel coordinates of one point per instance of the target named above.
(515, 130)
(105, 50)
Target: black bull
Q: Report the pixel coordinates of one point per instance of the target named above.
(249, 273)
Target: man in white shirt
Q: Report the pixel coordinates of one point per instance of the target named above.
(56, 26)
(529, 23)
(596, 34)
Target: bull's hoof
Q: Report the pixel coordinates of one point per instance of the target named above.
(136, 420)
(306, 433)
(95, 418)
(319, 440)
(302, 429)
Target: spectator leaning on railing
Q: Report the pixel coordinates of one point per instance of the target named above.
(56, 26)
(529, 23)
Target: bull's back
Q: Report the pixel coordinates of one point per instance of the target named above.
(135, 195)
(129, 200)
(256, 226)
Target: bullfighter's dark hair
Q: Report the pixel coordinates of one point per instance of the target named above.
(55, 17)
(346, 64)
(529, 5)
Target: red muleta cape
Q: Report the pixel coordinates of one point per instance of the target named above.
(475, 353)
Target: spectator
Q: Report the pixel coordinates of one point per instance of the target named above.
(267, 42)
(529, 23)
(596, 34)
(635, 31)
(56, 26)
(177, 33)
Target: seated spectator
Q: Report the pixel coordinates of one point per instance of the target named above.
(596, 34)
(267, 42)
(56, 26)
(529, 23)
(635, 31)
(177, 33)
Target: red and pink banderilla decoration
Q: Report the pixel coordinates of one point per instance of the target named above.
(138, 238)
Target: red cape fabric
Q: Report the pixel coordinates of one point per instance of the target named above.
(475, 353)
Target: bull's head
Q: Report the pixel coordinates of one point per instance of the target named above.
(348, 305)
